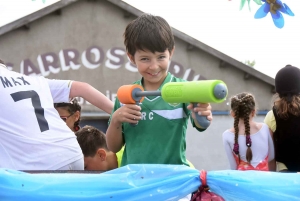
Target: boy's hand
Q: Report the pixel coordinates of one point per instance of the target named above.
(129, 113)
(203, 109)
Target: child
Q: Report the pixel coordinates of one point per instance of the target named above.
(284, 119)
(248, 144)
(69, 113)
(96, 154)
(32, 135)
(159, 136)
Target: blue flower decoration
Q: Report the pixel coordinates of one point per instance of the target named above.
(275, 7)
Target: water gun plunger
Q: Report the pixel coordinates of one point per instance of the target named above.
(204, 91)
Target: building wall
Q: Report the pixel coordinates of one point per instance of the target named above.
(85, 43)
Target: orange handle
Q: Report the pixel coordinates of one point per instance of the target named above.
(125, 93)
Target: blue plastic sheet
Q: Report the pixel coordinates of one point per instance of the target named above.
(147, 182)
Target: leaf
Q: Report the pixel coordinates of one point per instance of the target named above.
(258, 2)
(249, 5)
(242, 4)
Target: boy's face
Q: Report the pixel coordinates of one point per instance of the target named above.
(152, 66)
(97, 162)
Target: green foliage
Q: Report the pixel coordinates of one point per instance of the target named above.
(249, 63)
(258, 2)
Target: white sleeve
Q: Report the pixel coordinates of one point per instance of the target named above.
(60, 90)
(271, 147)
(228, 150)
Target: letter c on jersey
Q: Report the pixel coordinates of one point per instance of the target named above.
(151, 115)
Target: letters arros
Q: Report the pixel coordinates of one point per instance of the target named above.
(91, 58)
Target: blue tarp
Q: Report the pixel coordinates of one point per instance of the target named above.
(147, 182)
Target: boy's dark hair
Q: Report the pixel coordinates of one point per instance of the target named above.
(242, 105)
(90, 140)
(1, 62)
(72, 107)
(148, 32)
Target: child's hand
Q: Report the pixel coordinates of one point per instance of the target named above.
(203, 109)
(129, 113)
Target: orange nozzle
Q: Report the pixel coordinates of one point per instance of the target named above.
(125, 93)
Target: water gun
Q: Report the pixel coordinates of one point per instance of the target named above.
(204, 91)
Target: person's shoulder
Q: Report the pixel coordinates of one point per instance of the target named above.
(270, 113)
(262, 124)
(139, 82)
(269, 116)
(58, 81)
(228, 132)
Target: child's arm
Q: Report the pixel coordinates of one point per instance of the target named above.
(203, 109)
(228, 150)
(127, 113)
(92, 95)
(272, 162)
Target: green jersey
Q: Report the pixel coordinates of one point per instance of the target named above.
(159, 137)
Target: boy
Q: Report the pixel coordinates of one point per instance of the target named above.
(32, 135)
(96, 154)
(159, 136)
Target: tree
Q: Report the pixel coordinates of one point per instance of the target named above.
(249, 63)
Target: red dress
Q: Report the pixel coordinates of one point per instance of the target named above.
(243, 165)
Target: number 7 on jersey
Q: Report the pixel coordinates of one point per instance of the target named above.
(36, 103)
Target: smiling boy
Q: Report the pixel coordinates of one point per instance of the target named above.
(159, 136)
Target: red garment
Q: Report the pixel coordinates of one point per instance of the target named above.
(244, 165)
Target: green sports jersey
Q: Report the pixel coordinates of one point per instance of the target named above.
(159, 137)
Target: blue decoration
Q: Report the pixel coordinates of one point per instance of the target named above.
(147, 182)
(275, 7)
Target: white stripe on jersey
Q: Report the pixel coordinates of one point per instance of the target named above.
(152, 99)
(171, 114)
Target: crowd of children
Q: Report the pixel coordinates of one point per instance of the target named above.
(50, 144)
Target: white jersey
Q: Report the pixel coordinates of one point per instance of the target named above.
(32, 135)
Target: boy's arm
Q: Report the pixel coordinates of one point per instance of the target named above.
(114, 137)
(92, 95)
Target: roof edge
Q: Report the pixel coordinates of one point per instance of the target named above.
(34, 16)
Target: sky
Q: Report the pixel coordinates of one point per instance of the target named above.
(217, 23)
